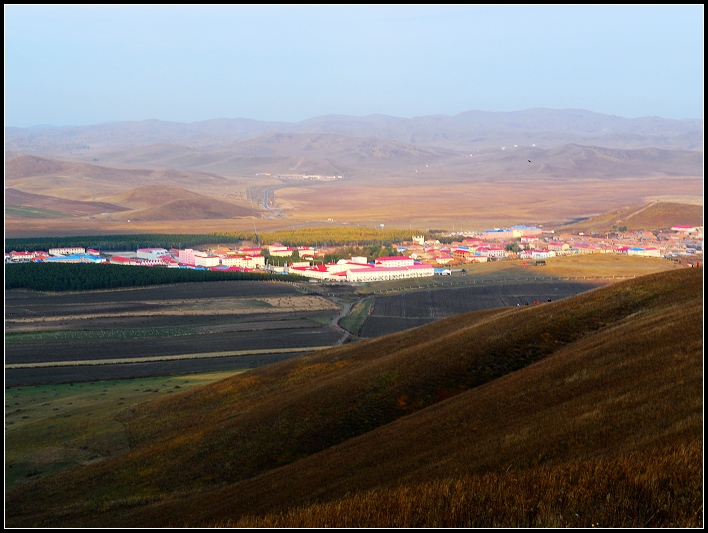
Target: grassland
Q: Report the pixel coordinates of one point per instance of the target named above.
(650, 217)
(356, 317)
(51, 428)
(585, 411)
(32, 212)
(589, 267)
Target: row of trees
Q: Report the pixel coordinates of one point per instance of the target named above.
(78, 277)
(117, 243)
(319, 236)
(338, 236)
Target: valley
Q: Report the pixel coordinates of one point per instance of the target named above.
(436, 402)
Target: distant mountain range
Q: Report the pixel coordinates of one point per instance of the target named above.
(543, 150)
(343, 145)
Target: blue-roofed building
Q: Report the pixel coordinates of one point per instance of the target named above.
(75, 258)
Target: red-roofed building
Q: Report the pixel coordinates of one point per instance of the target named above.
(120, 260)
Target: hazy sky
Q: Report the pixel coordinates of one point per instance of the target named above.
(78, 65)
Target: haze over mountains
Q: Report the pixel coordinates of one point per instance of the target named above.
(540, 150)
(347, 142)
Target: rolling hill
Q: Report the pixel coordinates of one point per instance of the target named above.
(431, 171)
(580, 412)
(13, 197)
(164, 202)
(650, 217)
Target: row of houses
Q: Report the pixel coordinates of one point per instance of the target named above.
(359, 270)
(422, 258)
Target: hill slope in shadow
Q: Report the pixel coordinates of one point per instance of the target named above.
(602, 382)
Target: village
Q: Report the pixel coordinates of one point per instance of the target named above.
(418, 257)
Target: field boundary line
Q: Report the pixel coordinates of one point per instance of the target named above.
(207, 355)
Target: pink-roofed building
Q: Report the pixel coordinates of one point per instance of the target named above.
(492, 252)
(315, 272)
(169, 261)
(250, 250)
(443, 259)
(645, 252)
(683, 229)
(282, 252)
(244, 261)
(186, 257)
(222, 268)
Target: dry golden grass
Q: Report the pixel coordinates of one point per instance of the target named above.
(648, 489)
(609, 378)
(432, 198)
(470, 205)
(649, 217)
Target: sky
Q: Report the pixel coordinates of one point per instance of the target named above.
(72, 65)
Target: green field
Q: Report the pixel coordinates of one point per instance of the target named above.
(32, 212)
(353, 321)
(41, 337)
(49, 428)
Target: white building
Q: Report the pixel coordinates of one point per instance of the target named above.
(244, 261)
(151, 253)
(394, 261)
(204, 259)
(66, 251)
(645, 252)
(390, 273)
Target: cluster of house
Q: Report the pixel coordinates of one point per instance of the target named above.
(419, 257)
(521, 242)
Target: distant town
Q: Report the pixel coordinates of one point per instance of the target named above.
(418, 257)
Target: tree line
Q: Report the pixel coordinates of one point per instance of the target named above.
(80, 277)
(354, 236)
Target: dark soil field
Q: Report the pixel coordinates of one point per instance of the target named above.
(197, 327)
(218, 326)
(15, 377)
(398, 312)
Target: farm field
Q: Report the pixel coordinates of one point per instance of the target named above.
(237, 325)
(57, 337)
(398, 312)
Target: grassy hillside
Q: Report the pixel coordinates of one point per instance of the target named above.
(578, 412)
(651, 217)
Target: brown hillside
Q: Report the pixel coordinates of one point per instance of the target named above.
(652, 217)
(197, 208)
(24, 166)
(80, 181)
(151, 196)
(13, 197)
(617, 370)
